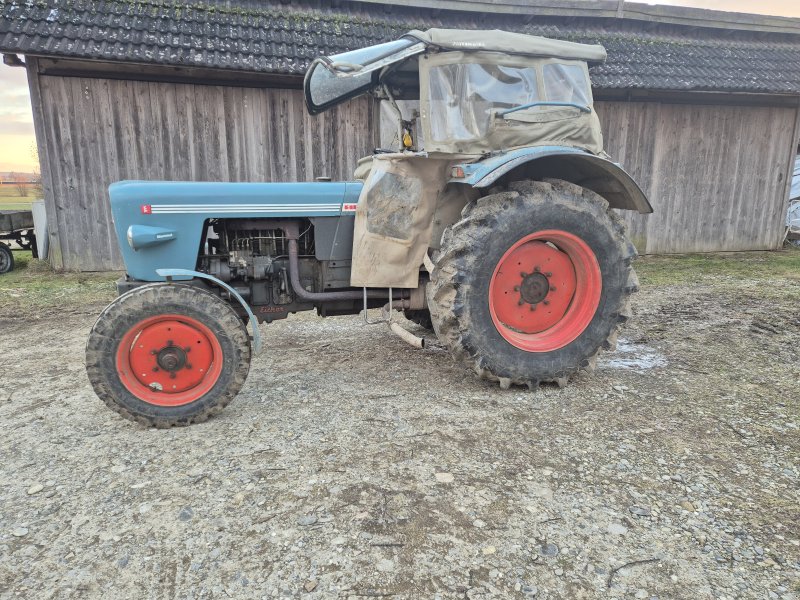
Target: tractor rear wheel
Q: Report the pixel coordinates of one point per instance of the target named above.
(168, 355)
(532, 283)
(6, 259)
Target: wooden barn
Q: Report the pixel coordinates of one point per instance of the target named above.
(702, 107)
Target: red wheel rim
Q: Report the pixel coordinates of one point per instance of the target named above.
(169, 360)
(545, 291)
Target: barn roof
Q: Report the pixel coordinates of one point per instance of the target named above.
(273, 37)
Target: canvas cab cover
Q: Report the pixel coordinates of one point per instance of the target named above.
(331, 80)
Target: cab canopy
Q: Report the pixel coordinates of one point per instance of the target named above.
(478, 91)
(334, 79)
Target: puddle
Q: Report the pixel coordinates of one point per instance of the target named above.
(636, 357)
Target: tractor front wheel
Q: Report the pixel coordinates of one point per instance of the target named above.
(168, 355)
(532, 283)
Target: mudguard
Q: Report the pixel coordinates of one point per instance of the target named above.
(187, 273)
(577, 166)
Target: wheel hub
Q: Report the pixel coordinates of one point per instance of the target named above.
(171, 358)
(534, 288)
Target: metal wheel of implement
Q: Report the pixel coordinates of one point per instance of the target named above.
(6, 259)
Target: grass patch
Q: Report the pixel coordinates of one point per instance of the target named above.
(10, 198)
(34, 289)
(693, 268)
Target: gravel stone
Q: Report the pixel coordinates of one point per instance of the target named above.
(345, 424)
(548, 549)
(35, 489)
(385, 566)
(617, 529)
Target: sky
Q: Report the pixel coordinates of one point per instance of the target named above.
(16, 122)
(17, 142)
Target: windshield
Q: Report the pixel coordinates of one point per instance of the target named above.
(464, 97)
(324, 88)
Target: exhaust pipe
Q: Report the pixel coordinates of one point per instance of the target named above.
(405, 335)
(291, 231)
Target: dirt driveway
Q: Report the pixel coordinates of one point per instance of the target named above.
(355, 466)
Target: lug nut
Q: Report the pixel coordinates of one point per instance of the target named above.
(516, 288)
(548, 274)
(523, 274)
(521, 302)
(536, 269)
(533, 307)
(155, 369)
(545, 302)
(552, 288)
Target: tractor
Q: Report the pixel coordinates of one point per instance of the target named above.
(490, 220)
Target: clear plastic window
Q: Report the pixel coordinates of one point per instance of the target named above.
(566, 83)
(463, 97)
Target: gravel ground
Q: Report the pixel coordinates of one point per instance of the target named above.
(352, 465)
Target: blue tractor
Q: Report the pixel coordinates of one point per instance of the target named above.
(489, 220)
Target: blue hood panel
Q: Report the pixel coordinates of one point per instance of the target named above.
(183, 207)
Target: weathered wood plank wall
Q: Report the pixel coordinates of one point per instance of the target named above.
(97, 131)
(715, 175)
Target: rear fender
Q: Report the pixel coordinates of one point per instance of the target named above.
(598, 174)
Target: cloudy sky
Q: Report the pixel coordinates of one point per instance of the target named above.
(16, 123)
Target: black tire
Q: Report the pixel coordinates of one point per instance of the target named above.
(122, 316)
(6, 259)
(472, 248)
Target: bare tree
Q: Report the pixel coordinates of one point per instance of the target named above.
(36, 183)
(20, 184)
(36, 179)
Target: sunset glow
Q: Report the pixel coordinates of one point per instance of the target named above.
(16, 122)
